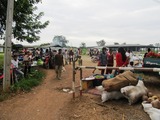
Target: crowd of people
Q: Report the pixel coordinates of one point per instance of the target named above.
(57, 59)
(119, 58)
(52, 58)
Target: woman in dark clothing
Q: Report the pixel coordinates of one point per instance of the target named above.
(110, 61)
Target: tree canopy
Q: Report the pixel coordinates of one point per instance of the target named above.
(26, 24)
(101, 43)
(60, 40)
(83, 45)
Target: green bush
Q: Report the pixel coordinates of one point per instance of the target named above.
(26, 84)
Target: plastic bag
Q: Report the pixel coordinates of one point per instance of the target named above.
(63, 69)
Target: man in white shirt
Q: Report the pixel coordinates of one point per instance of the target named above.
(16, 70)
(129, 55)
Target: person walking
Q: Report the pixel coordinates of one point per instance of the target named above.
(59, 63)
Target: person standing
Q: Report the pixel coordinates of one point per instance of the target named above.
(66, 57)
(59, 64)
(71, 56)
(110, 61)
(16, 69)
(26, 63)
(103, 59)
(121, 59)
(129, 55)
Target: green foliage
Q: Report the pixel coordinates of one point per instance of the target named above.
(27, 24)
(1, 60)
(45, 44)
(26, 84)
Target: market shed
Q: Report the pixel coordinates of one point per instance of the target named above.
(132, 47)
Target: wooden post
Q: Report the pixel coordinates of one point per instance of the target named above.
(80, 82)
(74, 72)
(7, 55)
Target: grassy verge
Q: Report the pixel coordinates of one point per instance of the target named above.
(25, 84)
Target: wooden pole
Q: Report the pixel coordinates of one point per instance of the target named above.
(122, 68)
(73, 81)
(7, 55)
(80, 82)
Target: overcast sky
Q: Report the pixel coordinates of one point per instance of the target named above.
(88, 21)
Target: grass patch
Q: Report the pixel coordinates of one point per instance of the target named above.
(25, 84)
(4, 96)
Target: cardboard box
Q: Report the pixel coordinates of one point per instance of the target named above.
(86, 84)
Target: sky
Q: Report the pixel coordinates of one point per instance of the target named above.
(89, 21)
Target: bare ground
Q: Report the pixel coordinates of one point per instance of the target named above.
(49, 101)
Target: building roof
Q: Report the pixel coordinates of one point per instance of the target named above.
(124, 45)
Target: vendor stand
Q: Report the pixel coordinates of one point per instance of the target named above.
(80, 68)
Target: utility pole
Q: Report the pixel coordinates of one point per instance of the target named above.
(7, 55)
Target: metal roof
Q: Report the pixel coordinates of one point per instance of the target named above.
(124, 45)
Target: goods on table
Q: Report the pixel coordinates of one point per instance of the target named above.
(99, 77)
(39, 62)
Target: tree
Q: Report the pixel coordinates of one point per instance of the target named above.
(45, 44)
(116, 43)
(101, 43)
(83, 45)
(26, 24)
(60, 40)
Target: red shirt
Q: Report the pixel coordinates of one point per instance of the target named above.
(119, 61)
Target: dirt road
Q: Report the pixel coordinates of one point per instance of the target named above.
(42, 103)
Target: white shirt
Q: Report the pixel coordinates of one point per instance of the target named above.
(131, 57)
(15, 63)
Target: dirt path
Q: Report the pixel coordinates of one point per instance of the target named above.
(49, 102)
(42, 103)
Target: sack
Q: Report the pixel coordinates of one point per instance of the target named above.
(63, 69)
(121, 80)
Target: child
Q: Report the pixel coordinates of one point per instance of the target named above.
(80, 61)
